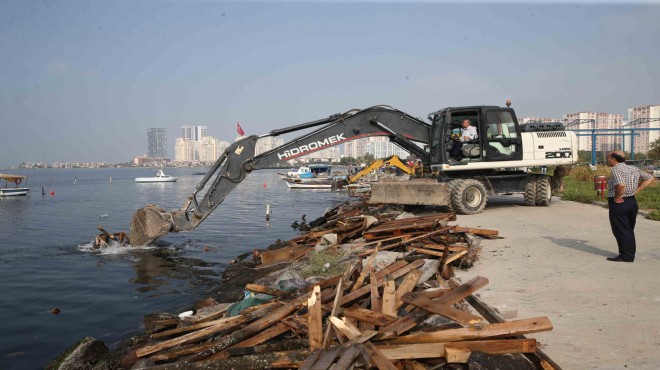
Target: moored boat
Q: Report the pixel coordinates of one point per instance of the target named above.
(17, 180)
(160, 177)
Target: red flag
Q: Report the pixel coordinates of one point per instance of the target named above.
(239, 129)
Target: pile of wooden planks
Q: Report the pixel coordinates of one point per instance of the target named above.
(385, 317)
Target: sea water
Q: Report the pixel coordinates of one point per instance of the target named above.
(47, 259)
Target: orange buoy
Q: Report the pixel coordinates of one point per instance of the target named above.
(52, 193)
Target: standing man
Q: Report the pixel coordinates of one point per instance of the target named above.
(468, 133)
(624, 183)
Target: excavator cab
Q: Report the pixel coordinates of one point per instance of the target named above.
(498, 135)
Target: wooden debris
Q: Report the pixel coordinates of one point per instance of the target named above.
(373, 319)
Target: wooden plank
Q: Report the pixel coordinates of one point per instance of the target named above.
(348, 357)
(455, 355)
(434, 350)
(459, 316)
(365, 336)
(456, 256)
(407, 285)
(540, 358)
(335, 309)
(327, 358)
(346, 328)
(425, 235)
(254, 328)
(441, 247)
(315, 319)
(367, 268)
(389, 297)
(370, 316)
(311, 360)
(264, 289)
(196, 336)
(379, 359)
(483, 232)
(376, 303)
(286, 254)
(505, 329)
(297, 324)
(405, 323)
(228, 321)
(262, 337)
(397, 270)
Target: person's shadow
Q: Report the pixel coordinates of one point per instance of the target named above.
(580, 245)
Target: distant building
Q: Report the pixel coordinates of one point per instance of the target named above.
(600, 121)
(537, 120)
(356, 148)
(382, 147)
(267, 143)
(636, 116)
(184, 150)
(194, 133)
(209, 149)
(157, 141)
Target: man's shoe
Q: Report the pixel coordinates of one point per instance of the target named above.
(619, 259)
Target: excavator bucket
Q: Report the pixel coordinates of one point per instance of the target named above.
(414, 192)
(149, 223)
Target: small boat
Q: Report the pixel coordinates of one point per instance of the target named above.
(309, 183)
(317, 170)
(160, 177)
(17, 180)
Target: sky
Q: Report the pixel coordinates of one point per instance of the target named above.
(82, 81)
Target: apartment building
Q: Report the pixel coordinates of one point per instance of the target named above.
(184, 149)
(591, 120)
(643, 117)
(157, 142)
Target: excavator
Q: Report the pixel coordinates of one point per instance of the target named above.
(378, 163)
(500, 160)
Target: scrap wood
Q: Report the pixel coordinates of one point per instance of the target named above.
(437, 350)
(286, 254)
(365, 271)
(335, 308)
(438, 308)
(405, 323)
(539, 358)
(370, 316)
(506, 329)
(315, 319)
(389, 296)
(264, 289)
(481, 232)
(407, 285)
(425, 235)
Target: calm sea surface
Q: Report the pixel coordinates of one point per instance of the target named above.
(46, 259)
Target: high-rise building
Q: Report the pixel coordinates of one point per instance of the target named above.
(267, 143)
(643, 117)
(356, 148)
(591, 120)
(209, 149)
(523, 120)
(184, 150)
(194, 133)
(382, 147)
(157, 140)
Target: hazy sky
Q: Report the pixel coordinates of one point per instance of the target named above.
(83, 80)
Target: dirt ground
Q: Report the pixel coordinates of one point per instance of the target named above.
(551, 262)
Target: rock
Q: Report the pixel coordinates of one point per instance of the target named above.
(404, 215)
(81, 356)
(203, 303)
(155, 322)
(383, 259)
(370, 220)
(326, 241)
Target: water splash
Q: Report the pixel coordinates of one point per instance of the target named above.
(113, 248)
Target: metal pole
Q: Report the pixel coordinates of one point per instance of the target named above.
(632, 144)
(593, 147)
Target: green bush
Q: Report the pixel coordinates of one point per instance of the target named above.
(317, 261)
(654, 215)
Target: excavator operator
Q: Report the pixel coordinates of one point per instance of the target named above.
(468, 133)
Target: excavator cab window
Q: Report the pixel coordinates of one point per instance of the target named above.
(470, 150)
(502, 136)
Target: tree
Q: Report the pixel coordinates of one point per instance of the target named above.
(368, 158)
(345, 161)
(654, 151)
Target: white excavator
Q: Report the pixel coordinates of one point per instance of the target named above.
(500, 160)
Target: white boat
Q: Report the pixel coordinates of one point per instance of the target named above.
(313, 170)
(17, 180)
(160, 177)
(310, 183)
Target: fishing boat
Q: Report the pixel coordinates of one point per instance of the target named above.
(160, 177)
(17, 180)
(312, 170)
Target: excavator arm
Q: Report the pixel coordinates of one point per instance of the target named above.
(237, 161)
(378, 163)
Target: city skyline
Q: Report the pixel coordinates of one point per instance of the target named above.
(84, 81)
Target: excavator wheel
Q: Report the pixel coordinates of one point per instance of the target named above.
(468, 196)
(530, 191)
(543, 195)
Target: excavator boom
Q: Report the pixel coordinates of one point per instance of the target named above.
(151, 222)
